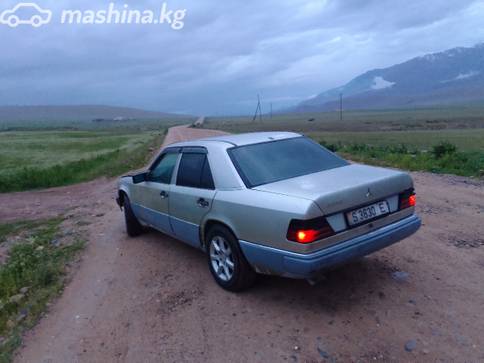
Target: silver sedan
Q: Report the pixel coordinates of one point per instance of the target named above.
(272, 203)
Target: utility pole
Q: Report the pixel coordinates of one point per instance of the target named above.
(341, 107)
(271, 110)
(258, 110)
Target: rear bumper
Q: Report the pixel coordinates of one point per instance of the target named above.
(284, 263)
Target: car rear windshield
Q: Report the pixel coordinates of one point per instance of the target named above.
(269, 162)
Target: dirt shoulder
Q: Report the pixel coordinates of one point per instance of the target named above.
(152, 298)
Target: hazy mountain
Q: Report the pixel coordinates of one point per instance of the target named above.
(77, 113)
(455, 76)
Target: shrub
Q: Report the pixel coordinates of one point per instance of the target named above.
(331, 147)
(443, 148)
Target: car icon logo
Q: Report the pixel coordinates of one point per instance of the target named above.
(368, 193)
(13, 18)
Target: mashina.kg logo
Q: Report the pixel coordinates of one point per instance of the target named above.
(32, 14)
(25, 14)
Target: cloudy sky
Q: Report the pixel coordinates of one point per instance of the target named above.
(227, 52)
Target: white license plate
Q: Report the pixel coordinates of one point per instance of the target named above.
(367, 213)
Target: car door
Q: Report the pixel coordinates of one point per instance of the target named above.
(151, 196)
(192, 195)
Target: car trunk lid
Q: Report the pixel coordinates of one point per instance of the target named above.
(343, 188)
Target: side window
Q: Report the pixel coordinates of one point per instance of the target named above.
(194, 172)
(163, 170)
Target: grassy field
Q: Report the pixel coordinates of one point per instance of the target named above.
(357, 121)
(41, 159)
(459, 152)
(30, 278)
(401, 138)
(123, 126)
(41, 155)
(464, 139)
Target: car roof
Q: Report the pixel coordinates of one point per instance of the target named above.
(241, 139)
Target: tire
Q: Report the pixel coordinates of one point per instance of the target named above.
(133, 226)
(226, 262)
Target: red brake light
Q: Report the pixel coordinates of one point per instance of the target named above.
(309, 231)
(306, 236)
(412, 200)
(408, 199)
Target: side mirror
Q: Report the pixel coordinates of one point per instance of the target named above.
(139, 178)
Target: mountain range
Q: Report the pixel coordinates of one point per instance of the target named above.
(452, 77)
(78, 113)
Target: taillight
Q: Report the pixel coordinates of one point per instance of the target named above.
(407, 199)
(309, 230)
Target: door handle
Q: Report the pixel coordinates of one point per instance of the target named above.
(202, 203)
(163, 194)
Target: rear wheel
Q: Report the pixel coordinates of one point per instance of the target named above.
(226, 261)
(133, 226)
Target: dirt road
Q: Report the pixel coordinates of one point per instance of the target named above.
(152, 299)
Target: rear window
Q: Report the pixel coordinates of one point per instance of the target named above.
(269, 162)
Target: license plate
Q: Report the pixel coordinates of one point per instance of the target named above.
(367, 213)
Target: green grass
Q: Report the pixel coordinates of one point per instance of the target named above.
(467, 140)
(134, 125)
(42, 148)
(36, 265)
(30, 160)
(442, 158)
(13, 228)
(412, 150)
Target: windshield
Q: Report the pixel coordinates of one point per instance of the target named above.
(269, 162)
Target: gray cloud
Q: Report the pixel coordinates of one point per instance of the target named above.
(227, 53)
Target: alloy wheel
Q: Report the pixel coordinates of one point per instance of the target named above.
(222, 258)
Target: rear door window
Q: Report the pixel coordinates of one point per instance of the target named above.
(194, 172)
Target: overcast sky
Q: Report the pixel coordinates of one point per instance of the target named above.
(227, 52)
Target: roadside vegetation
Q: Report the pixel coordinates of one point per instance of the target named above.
(31, 160)
(443, 157)
(30, 277)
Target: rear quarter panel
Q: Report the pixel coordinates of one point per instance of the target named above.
(260, 217)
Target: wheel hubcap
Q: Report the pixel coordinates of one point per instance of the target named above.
(221, 258)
